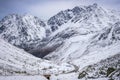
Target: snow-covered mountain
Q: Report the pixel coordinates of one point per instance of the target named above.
(72, 40)
(79, 20)
(22, 30)
(38, 38)
(72, 37)
(92, 17)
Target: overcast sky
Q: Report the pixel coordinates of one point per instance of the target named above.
(47, 8)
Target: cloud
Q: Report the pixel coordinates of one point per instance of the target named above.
(50, 8)
(47, 8)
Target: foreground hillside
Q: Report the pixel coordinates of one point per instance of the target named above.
(108, 69)
(14, 61)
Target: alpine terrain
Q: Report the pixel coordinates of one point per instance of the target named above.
(82, 43)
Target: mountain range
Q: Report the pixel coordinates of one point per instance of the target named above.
(78, 41)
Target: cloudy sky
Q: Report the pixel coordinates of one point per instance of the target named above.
(47, 8)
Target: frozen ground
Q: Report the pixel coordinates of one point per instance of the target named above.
(71, 76)
(22, 78)
(53, 77)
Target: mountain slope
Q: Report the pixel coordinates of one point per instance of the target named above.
(74, 39)
(92, 17)
(36, 37)
(82, 45)
(77, 21)
(108, 68)
(14, 61)
(22, 30)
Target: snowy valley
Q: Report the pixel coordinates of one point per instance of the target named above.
(82, 43)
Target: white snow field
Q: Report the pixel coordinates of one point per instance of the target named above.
(22, 78)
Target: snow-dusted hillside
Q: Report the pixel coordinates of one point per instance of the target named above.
(22, 30)
(38, 77)
(108, 68)
(14, 61)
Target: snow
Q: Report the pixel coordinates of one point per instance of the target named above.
(22, 78)
(71, 76)
(86, 48)
(72, 48)
(53, 77)
(82, 40)
(22, 30)
(97, 55)
(14, 59)
(88, 25)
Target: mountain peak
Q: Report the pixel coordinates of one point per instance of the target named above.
(92, 7)
(76, 15)
(95, 5)
(27, 15)
(22, 30)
